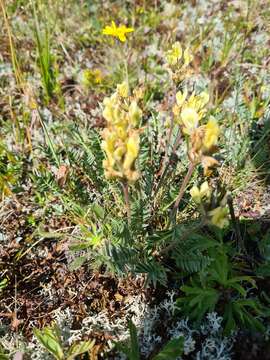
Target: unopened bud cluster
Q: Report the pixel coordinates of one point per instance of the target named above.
(203, 196)
(178, 62)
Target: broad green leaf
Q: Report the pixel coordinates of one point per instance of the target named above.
(80, 348)
(172, 350)
(50, 341)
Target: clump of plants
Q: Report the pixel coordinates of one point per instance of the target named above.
(137, 175)
(150, 235)
(132, 159)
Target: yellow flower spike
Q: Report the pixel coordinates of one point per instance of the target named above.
(190, 120)
(118, 32)
(198, 194)
(212, 132)
(120, 138)
(181, 97)
(122, 89)
(174, 54)
(134, 113)
(219, 217)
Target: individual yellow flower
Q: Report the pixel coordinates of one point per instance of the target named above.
(181, 97)
(122, 89)
(133, 146)
(188, 57)
(139, 93)
(202, 100)
(190, 120)
(117, 31)
(135, 113)
(110, 105)
(212, 132)
(219, 217)
(174, 54)
(198, 194)
(190, 110)
(198, 102)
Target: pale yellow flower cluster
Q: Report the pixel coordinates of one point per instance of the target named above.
(189, 111)
(219, 217)
(202, 196)
(176, 55)
(121, 137)
(178, 61)
(203, 139)
(199, 194)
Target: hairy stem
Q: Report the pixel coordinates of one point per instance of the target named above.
(182, 189)
(166, 163)
(126, 196)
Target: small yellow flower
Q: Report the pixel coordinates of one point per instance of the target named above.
(133, 146)
(135, 113)
(190, 119)
(211, 133)
(198, 102)
(181, 97)
(198, 194)
(122, 89)
(203, 99)
(174, 54)
(139, 93)
(117, 31)
(219, 217)
(188, 57)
